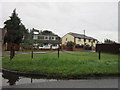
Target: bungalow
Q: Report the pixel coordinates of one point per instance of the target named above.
(79, 39)
(47, 38)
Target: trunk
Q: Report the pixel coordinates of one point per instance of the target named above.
(12, 54)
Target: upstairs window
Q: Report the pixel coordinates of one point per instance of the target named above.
(52, 38)
(56, 38)
(46, 37)
(66, 39)
(49, 38)
(89, 40)
(79, 39)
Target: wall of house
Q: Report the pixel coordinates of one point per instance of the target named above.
(94, 44)
(0, 46)
(36, 37)
(88, 42)
(79, 41)
(67, 38)
(91, 42)
(1, 41)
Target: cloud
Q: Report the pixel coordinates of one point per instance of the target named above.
(98, 19)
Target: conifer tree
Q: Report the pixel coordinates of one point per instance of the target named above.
(15, 31)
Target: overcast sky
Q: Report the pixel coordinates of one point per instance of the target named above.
(99, 19)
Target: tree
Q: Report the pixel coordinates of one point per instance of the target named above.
(109, 41)
(15, 31)
(46, 32)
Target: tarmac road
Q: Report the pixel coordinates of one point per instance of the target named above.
(95, 83)
(100, 83)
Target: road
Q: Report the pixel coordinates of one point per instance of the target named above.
(95, 83)
(100, 83)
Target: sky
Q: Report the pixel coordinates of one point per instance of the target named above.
(98, 19)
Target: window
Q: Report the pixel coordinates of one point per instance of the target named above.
(34, 37)
(66, 39)
(52, 38)
(89, 40)
(79, 39)
(41, 37)
(49, 38)
(46, 37)
(56, 38)
(84, 40)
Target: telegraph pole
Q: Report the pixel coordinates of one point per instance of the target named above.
(84, 37)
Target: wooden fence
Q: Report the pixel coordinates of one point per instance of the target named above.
(108, 48)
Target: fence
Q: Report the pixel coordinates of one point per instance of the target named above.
(108, 48)
(14, 46)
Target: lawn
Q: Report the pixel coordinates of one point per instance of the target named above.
(72, 63)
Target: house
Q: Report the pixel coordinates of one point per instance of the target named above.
(2, 35)
(47, 38)
(79, 39)
(6, 46)
(1, 41)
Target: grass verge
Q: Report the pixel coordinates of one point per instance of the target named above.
(72, 63)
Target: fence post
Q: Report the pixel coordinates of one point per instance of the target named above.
(99, 55)
(32, 54)
(31, 80)
(58, 51)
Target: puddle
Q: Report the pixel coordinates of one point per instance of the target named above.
(9, 79)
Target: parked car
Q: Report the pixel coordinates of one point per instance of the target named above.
(44, 47)
(54, 47)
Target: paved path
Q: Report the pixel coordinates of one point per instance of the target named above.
(8, 53)
(101, 83)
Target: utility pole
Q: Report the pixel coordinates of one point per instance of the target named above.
(58, 50)
(84, 37)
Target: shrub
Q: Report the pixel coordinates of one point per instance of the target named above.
(70, 44)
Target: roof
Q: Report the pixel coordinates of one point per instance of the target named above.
(49, 41)
(46, 35)
(46, 32)
(81, 36)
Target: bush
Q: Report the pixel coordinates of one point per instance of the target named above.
(41, 44)
(70, 44)
(87, 47)
(28, 44)
(78, 46)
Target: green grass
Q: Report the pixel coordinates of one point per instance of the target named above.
(66, 64)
